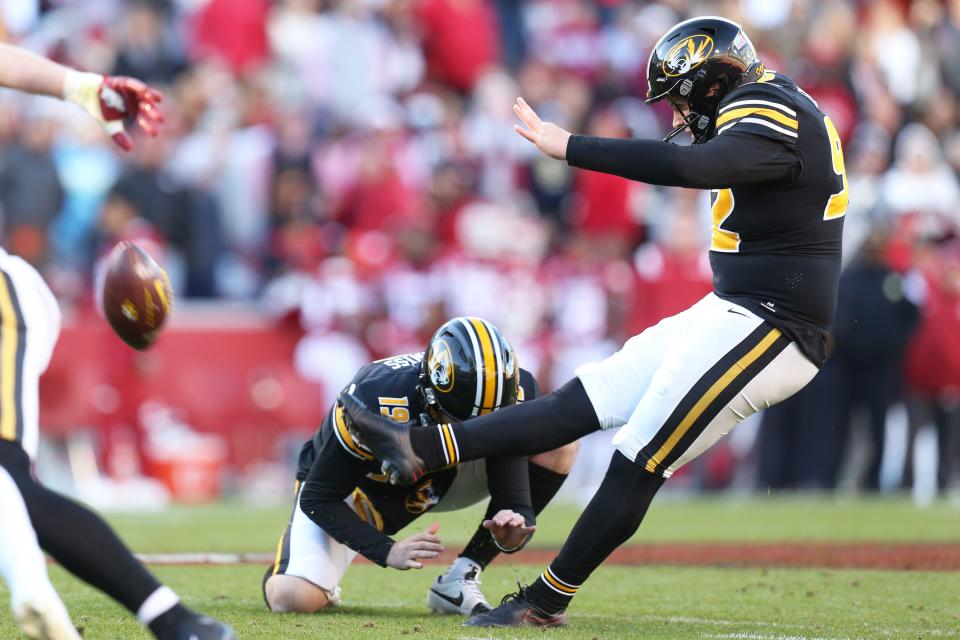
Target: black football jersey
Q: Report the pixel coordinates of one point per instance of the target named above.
(337, 465)
(775, 245)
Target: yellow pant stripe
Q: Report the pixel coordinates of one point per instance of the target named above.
(722, 383)
(283, 536)
(489, 366)
(735, 114)
(9, 338)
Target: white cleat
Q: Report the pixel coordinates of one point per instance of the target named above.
(43, 617)
(460, 595)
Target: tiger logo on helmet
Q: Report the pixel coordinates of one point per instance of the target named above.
(440, 366)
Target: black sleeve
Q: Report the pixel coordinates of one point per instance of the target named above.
(725, 161)
(332, 477)
(509, 483)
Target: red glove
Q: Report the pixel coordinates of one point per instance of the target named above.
(111, 100)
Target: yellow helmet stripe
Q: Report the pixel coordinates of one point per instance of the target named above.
(479, 360)
(498, 350)
(489, 366)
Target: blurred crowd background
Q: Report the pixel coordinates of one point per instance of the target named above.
(348, 170)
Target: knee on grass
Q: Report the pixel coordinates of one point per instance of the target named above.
(289, 594)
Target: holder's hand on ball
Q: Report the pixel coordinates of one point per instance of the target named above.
(509, 530)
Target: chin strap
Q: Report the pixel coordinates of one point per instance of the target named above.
(697, 124)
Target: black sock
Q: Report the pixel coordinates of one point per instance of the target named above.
(613, 515)
(527, 428)
(165, 625)
(544, 484)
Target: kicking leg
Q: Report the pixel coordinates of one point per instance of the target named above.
(602, 396)
(726, 368)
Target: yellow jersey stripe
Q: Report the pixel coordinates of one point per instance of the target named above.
(489, 366)
(365, 509)
(715, 389)
(9, 403)
(345, 438)
(777, 116)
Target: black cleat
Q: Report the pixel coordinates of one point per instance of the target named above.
(387, 439)
(196, 626)
(516, 610)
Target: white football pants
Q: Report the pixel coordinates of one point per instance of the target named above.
(681, 385)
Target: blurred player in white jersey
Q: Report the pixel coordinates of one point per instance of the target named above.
(32, 516)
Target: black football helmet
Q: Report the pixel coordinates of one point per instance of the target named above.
(469, 369)
(690, 59)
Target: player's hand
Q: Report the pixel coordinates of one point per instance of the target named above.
(509, 529)
(548, 137)
(111, 100)
(406, 553)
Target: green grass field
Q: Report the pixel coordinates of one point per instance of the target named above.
(618, 602)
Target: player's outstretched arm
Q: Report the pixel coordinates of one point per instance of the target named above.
(546, 136)
(725, 161)
(109, 100)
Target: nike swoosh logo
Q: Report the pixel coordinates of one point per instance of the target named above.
(454, 601)
(737, 312)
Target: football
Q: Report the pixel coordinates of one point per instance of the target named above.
(136, 295)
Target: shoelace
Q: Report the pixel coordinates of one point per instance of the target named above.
(471, 587)
(521, 593)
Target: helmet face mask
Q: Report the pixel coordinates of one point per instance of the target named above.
(468, 369)
(698, 62)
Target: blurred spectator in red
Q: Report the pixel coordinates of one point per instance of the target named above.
(933, 361)
(452, 187)
(234, 31)
(605, 205)
(378, 195)
(460, 40)
(673, 272)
